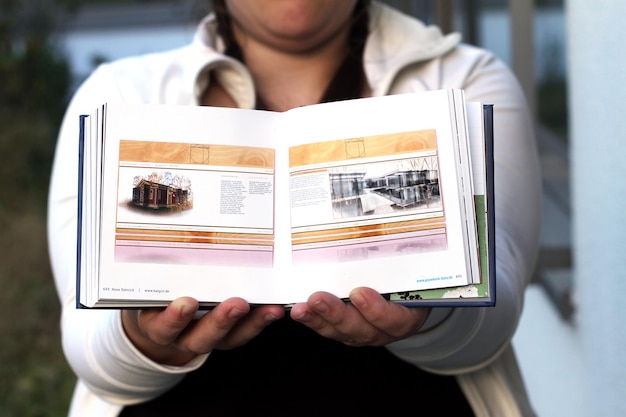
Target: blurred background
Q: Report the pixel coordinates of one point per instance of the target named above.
(47, 47)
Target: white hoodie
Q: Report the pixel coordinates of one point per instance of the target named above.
(401, 55)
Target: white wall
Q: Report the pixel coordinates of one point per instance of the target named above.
(597, 69)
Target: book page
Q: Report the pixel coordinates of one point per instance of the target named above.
(479, 290)
(375, 194)
(190, 197)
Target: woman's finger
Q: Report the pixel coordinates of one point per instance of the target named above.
(394, 319)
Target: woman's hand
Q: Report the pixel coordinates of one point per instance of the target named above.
(369, 320)
(173, 336)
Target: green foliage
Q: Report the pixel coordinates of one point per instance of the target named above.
(36, 77)
(35, 80)
(27, 147)
(33, 98)
(35, 380)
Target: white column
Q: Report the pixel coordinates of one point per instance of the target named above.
(597, 88)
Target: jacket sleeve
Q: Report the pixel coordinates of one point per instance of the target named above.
(94, 341)
(464, 339)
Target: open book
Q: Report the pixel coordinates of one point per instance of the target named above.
(388, 192)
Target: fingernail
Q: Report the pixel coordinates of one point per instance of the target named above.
(303, 318)
(270, 317)
(235, 313)
(358, 300)
(185, 309)
(320, 307)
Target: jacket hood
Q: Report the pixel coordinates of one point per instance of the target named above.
(397, 40)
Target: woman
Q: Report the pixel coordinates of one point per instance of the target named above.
(366, 357)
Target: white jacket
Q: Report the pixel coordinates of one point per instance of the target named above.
(402, 55)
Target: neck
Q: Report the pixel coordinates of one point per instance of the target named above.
(286, 79)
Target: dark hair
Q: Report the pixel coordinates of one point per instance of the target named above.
(350, 78)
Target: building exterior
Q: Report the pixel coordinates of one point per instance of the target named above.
(153, 195)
